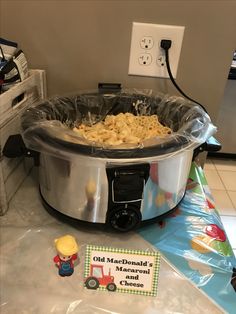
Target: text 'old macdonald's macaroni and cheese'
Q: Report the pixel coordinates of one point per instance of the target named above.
(123, 128)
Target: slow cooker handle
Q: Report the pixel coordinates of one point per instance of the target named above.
(109, 88)
(211, 145)
(15, 147)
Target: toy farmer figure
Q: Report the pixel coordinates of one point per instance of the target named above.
(67, 249)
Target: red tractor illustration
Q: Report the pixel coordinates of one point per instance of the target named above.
(97, 278)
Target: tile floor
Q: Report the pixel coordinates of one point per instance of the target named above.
(221, 178)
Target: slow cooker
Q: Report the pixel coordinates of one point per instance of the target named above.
(119, 187)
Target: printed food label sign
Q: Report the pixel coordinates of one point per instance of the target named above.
(121, 270)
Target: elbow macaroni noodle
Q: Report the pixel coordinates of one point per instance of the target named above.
(123, 128)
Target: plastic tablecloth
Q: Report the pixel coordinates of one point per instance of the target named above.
(29, 281)
(194, 242)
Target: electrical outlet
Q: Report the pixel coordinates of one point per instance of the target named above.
(147, 58)
(146, 42)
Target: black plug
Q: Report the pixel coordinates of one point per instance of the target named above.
(166, 44)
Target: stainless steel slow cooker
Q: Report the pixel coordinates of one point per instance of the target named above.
(119, 187)
(120, 193)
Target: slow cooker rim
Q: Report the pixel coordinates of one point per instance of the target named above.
(171, 146)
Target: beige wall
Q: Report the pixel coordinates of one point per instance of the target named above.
(81, 43)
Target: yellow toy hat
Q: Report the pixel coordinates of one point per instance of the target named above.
(66, 245)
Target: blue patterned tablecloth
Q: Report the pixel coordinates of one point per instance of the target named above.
(193, 240)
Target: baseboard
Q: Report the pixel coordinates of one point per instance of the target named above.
(222, 155)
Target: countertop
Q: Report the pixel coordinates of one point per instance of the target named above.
(30, 283)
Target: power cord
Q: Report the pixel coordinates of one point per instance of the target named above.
(166, 44)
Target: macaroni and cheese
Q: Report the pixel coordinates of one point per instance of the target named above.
(123, 128)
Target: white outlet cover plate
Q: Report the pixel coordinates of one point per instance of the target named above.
(152, 34)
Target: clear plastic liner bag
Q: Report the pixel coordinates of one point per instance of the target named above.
(48, 126)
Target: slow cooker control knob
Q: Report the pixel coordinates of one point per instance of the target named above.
(124, 219)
